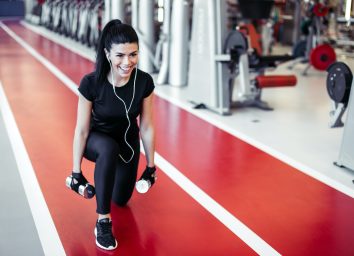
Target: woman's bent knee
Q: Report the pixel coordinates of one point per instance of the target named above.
(121, 201)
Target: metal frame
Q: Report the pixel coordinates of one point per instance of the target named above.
(208, 72)
(346, 156)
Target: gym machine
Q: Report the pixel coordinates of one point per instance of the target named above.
(143, 23)
(172, 47)
(114, 10)
(249, 68)
(83, 21)
(312, 50)
(80, 20)
(218, 56)
(339, 83)
(170, 56)
(208, 69)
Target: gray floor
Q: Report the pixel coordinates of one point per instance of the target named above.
(17, 229)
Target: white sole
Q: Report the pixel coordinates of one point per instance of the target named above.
(102, 247)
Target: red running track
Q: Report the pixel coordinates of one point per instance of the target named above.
(294, 213)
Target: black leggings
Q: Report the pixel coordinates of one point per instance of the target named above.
(114, 179)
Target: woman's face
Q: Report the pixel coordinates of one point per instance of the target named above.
(124, 58)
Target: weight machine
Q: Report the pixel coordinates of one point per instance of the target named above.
(83, 21)
(170, 56)
(249, 68)
(114, 10)
(208, 71)
(143, 23)
(339, 83)
(313, 50)
(218, 55)
(172, 47)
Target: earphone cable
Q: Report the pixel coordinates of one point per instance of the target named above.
(126, 112)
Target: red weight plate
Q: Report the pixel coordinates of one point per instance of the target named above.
(320, 10)
(322, 56)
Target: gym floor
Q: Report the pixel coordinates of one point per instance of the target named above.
(253, 183)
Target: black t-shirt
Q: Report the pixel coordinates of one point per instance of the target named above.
(108, 112)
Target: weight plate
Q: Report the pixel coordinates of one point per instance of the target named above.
(320, 10)
(235, 40)
(339, 81)
(322, 56)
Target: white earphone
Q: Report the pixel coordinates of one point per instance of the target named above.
(125, 107)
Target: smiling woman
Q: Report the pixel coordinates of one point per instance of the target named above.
(123, 58)
(110, 100)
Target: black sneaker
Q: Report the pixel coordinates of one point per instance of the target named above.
(104, 237)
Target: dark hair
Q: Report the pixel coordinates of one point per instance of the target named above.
(115, 32)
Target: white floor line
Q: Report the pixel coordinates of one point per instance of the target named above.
(219, 212)
(269, 150)
(72, 86)
(47, 232)
(225, 217)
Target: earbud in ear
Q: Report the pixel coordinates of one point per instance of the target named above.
(107, 55)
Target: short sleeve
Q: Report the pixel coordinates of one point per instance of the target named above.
(86, 88)
(150, 86)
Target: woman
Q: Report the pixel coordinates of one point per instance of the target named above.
(110, 100)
